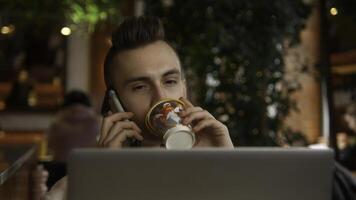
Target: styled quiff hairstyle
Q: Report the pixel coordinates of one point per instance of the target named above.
(133, 32)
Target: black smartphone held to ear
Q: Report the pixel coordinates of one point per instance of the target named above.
(119, 108)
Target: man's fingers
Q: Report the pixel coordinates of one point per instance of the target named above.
(120, 138)
(118, 127)
(197, 116)
(204, 124)
(109, 121)
(190, 110)
(187, 103)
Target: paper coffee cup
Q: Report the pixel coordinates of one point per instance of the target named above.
(179, 137)
(164, 121)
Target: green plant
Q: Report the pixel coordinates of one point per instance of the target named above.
(61, 12)
(91, 12)
(233, 54)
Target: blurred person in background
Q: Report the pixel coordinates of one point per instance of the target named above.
(346, 140)
(346, 148)
(20, 92)
(76, 125)
(350, 117)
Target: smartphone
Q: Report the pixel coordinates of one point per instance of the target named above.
(116, 102)
(119, 108)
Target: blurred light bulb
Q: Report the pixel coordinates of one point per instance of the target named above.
(66, 31)
(7, 29)
(333, 11)
(32, 99)
(2, 105)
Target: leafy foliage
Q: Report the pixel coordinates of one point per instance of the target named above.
(61, 12)
(233, 54)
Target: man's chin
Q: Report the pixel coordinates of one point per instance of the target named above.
(150, 136)
(150, 139)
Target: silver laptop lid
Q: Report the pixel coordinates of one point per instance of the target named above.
(206, 174)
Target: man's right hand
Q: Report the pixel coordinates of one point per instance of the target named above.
(116, 129)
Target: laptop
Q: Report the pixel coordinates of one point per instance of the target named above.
(203, 174)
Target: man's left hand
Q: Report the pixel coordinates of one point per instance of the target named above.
(208, 130)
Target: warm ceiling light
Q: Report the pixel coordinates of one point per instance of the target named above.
(333, 11)
(66, 31)
(7, 29)
(2, 106)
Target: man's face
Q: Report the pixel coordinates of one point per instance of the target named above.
(145, 75)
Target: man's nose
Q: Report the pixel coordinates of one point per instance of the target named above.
(159, 94)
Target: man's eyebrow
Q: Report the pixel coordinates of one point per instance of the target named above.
(172, 71)
(140, 78)
(144, 78)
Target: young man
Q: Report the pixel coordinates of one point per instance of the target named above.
(142, 68)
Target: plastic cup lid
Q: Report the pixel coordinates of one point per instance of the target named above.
(179, 137)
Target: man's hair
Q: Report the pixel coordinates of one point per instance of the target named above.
(132, 33)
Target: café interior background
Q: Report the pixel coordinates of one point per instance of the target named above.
(277, 73)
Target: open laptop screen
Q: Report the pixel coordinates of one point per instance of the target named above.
(205, 174)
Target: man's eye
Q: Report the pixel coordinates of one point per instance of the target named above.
(171, 82)
(139, 87)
